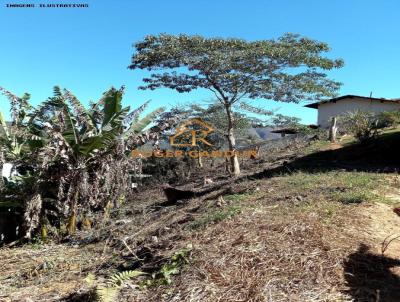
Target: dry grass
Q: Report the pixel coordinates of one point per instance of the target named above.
(291, 237)
(47, 271)
(290, 242)
(269, 261)
(284, 246)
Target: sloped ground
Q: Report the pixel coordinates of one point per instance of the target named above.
(289, 233)
(46, 272)
(298, 238)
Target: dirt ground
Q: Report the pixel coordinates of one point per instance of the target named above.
(273, 236)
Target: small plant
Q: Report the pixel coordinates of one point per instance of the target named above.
(173, 266)
(214, 217)
(108, 292)
(353, 197)
(237, 197)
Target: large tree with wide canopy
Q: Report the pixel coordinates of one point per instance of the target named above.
(288, 69)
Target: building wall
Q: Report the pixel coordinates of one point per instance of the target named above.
(328, 110)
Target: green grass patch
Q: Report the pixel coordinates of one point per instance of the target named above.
(354, 197)
(332, 179)
(237, 197)
(340, 186)
(214, 216)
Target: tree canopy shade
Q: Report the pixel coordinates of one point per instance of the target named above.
(288, 69)
(235, 68)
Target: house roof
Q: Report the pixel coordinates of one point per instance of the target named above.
(350, 96)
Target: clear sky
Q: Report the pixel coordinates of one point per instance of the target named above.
(88, 50)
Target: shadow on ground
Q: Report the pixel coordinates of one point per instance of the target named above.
(379, 155)
(369, 276)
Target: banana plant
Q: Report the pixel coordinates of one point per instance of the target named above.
(78, 156)
(17, 137)
(89, 148)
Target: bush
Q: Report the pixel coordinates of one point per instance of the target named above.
(390, 118)
(362, 124)
(71, 159)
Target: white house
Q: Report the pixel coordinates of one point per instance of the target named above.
(347, 103)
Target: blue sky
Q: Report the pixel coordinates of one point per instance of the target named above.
(88, 50)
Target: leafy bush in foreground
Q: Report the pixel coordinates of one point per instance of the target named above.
(390, 118)
(68, 159)
(363, 125)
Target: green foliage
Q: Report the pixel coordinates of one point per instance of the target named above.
(172, 266)
(281, 121)
(291, 122)
(343, 187)
(288, 69)
(353, 197)
(255, 109)
(140, 125)
(118, 279)
(235, 68)
(18, 137)
(362, 124)
(109, 292)
(215, 115)
(390, 118)
(214, 216)
(72, 158)
(237, 197)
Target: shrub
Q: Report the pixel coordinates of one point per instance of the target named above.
(390, 118)
(75, 159)
(362, 124)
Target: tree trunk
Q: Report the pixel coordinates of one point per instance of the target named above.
(333, 130)
(32, 214)
(71, 226)
(199, 159)
(235, 167)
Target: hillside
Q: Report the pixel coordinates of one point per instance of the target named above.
(312, 222)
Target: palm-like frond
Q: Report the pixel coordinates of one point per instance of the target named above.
(134, 115)
(57, 91)
(3, 125)
(76, 105)
(18, 105)
(81, 150)
(70, 133)
(56, 110)
(112, 105)
(140, 125)
(121, 277)
(86, 122)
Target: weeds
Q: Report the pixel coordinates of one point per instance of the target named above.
(237, 197)
(109, 291)
(353, 197)
(213, 217)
